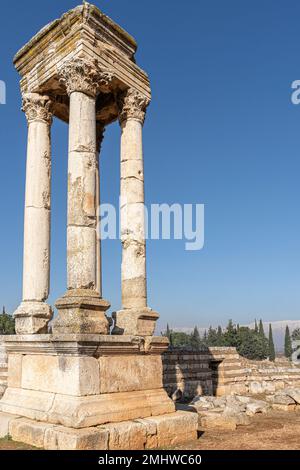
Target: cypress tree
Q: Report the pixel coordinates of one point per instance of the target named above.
(287, 343)
(261, 330)
(271, 345)
(262, 344)
(220, 340)
(255, 326)
(195, 338)
(230, 335)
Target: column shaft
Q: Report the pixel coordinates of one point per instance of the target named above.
(134, 292)
(33, 315)
(82, 260)
(135, 318)
(81, 309)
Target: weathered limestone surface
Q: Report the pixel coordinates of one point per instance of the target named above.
(135, 316)
(34, 314)
(129, 373)
(157, 431)
(3, 367)
(82, 310)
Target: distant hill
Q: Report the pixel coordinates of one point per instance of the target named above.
(278, 328)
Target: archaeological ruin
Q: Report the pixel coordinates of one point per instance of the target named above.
(80, 387)
(81, 380)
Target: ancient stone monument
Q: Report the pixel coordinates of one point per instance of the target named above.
(80, 386)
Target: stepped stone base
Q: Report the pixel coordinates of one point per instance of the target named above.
(149, 433)
(90, 392)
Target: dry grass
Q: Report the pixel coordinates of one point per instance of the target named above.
(7, 444)
(273, 431)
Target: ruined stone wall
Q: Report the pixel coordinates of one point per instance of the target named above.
(3, 368)
(221, 371)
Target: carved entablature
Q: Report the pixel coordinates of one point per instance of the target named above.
(132, 105)
(37, 108)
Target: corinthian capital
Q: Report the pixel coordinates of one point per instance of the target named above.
(81, 75)
(37, 108)
(132, 105)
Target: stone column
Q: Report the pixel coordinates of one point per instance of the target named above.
(135, 318)
(33, 315)
(82, 310)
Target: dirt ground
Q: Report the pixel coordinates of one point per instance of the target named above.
(8, 444)
(273, 431)
(277, 430)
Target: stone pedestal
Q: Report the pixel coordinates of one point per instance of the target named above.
(81, 311)
(76, 384)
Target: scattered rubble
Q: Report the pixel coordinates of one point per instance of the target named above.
(230, 411)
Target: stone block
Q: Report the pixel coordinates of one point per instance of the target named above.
(151, 433)
(28, 431)
(27, 403)
(5, 420)
(61, 438)
(280, 407)
(130, 373)
(212, 420)
(128, 435)
(14, 370)
(82, 412)
(175, 428)
(77, 376)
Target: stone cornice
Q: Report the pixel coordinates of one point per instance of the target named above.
(132, 105)
(85, 344)
(81, 75)
(37, 108)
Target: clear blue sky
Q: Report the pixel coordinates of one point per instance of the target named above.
(221, 131)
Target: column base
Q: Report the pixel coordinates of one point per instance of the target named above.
(140, 322)
(32, 318)
(81, 311)
(91, 392)
(150, 433)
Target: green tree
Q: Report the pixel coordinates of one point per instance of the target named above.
(204, 338)
(212, 337)
(7, 324)
(168, 332)
(180, 339)
(255, 326)
(263, 343)
(220, 338)
(195, 340)
(287, 343)
(251, 344)
(271, 345)
(230, 335)
(261, 330)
